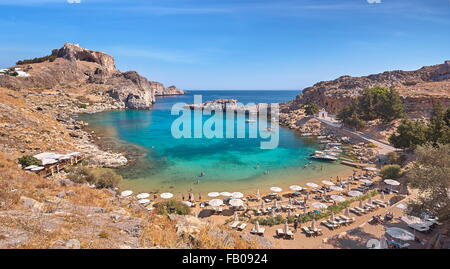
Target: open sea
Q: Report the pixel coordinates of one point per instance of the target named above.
(167, 164)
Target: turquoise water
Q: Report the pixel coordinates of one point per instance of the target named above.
(175, 165)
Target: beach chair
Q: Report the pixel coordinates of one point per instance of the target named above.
(356, 211)
(289, 235)
(380, 203)
(317, 231)
(280, 233)
(307, 231)
(234, 224)
(360, 210)
(344, 217)
(242, 226)
(329, 225)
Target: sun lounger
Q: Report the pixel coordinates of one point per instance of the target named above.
(290, 235)
(307, 231)
(280, 233)
(329, 225)
(234, 224)
(316, 231)
(380, 203)
(344, 217)
(360, 210)
(355, 211)
(242, 226)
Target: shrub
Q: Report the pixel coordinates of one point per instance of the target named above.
(28, 160)
(311, 109)
(409, 135)
(49, 58)
(372, 145)
(101, 177)
(172, 206)
(392, 171)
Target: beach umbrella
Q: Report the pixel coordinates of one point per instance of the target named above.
(215, 202)
(307, 196)
(213, 194)
(187, 203)
(225, 193)
(360, 204)
(236, 217)
(237, 195)
(236, 202)
(337, 198)
(276, 189)
(48, 161)
(142, 195)
(286, 227)
(347, 212)
(327, 182)
(383, 242)
(166, 195)
(144, 201)
(401, 206)
(290, 201)
(382, 195)
(295, 188)
(257, 193)
(391, 182)
(275, 204)
(319, 205)
(400, 233)
(257, 226)
(332, 216)
(336, 188)
(354, 193)
(126, 193)
(312, 185)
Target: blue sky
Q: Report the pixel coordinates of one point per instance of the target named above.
(231, 44)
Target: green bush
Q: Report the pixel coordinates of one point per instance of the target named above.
(311, 109)
(172, 206)
(392, 171)
(101, 177)
(28, 160)
(409, 134)
(49, 58)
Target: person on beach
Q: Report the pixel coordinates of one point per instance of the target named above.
(295, 225)
(199, 196)
(182, 197)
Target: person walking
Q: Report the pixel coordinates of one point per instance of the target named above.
(295, 225)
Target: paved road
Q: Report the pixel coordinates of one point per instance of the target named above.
(383, 148)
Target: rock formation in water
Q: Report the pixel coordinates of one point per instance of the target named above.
(72, 67)
(419, 89)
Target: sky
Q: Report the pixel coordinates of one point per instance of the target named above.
(231, 44)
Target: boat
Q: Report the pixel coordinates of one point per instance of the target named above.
(325, 141)
(250, 121)
(334, 144)
(306, 134)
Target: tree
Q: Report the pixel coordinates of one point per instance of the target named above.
(409, 135)
(311, 109)
(350, 117)
(438, 129)
(380, 103)
(430, 174)
(390, 106)
(392, 171)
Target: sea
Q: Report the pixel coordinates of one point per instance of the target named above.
(164, 163)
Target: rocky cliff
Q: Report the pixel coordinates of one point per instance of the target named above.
(419, 89)
(78, 69)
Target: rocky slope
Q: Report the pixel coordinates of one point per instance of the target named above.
(83, 71)
(419, 89)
